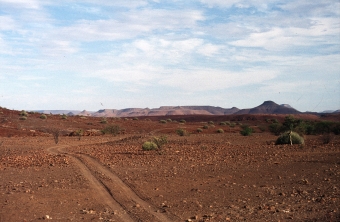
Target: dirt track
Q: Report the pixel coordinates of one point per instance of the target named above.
(112, 191)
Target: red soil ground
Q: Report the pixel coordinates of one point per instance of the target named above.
(202, 177)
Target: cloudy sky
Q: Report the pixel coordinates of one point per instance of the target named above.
(149, 53)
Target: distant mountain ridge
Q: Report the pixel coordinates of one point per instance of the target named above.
(267, 107)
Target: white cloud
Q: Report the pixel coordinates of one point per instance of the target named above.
(209, 49)
(30, 4)
(323, 31)
(129, 25)
(7, 23)
(195, 80)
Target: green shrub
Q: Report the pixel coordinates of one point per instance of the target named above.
(336, 129)
(275, 128)
(181, 132)
(220, 131)
(23, 113)
(169, 120)
(285, 138)
(182, 121)
(63, 116)
(232, 125)
(211, 123)
(103, 121)
(199, 130)
(43, 116)
(205, 127)
(135, 118)
(323, 127)
(246, 130)
(262, 128)
(223, 123)
(160, 141)
(149, 146)
(23, 118)
(113, 129)
(79, 133)
(163, 121)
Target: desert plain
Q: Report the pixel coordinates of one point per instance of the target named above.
(200, 176)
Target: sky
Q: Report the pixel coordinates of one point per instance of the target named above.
(91, 55)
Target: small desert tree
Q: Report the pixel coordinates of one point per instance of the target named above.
(79, 133)
(55, 133)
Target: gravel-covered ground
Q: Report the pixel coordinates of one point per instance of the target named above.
(198, 177)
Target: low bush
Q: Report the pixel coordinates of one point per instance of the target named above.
(23, 113)
(199, 130)
(182, 121)
(160, 141)
(275, 128)
(163, 121)
(223, 123)
(135, 118)
(211, 123)
(149, 146)
(63, 116)
(205, 127)
(181, 132)
(169, 120)
(336, 129)
(113, 129)
(23, 118)
(262, 128)
(43, 116)
(246, 130)
(220, 131)
(289, 137)
(103, 121)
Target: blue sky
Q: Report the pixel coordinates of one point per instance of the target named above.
(140, 53)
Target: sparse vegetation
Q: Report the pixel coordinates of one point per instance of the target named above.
(223, 123)
(113, 129)
(63, 116)
(205, 127)
(55, 133)
(23, 118)
(181, 132)
(290, 137)
(182, 121)
(23, 113)
(220, 131)
(163, 121)
(304, 126)
(103, 121)
(199, 130)
(43, 116)
(246, 130)
(79, 133)
(135, 118)
(160, 141)
(148, 145)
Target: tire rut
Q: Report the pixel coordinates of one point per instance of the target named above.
(112, 191)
